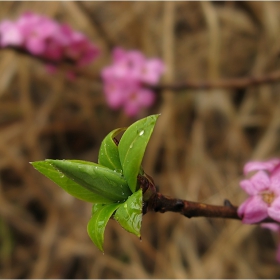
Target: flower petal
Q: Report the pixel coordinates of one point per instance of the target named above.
(271, 226)
(261, 165)
(253, 210)
(152, 70)
(146, 97)
(261, 181)
(248, 187)
(275, 182)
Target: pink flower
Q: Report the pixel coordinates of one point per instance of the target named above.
(137, 98)
(115, 92)
(269, 165)
(118, 54)
(42, 36)
(36, 30)
(128, 64)
(264, 190)
(271, 226)
(9, 34)
(125, 80)
(151, 71)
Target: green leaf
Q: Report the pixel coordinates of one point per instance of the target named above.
(67, 184)
(95, 207)
(98, 178)
(98, 221)
(132, 147)
(129, 214)
(108, 153)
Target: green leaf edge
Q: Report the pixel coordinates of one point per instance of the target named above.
(95, 228)
(113, 179)
(67, 184)
(108, 153)
(130, 170)
(124, 218)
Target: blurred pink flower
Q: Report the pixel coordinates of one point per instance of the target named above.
(151, 71)
(264, 190)
(36, 29)
(271, 226)
(9, 34)
(80, 48)
(125, 80)
(269, 165)
(44, 37)
(115, 92)
(136, 99)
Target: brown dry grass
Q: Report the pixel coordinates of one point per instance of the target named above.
(198, 149)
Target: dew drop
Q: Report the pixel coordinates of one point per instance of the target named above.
(131, 146)
(141, 132)
(125, 205)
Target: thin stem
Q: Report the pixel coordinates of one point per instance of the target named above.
(162, 204)
(190, 209)
(234, 83)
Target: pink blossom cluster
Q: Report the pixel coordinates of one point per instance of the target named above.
(126, 78)
(264, 190)
(44, 37)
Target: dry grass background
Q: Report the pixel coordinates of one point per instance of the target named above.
(197, 151)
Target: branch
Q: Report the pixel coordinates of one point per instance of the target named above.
(156, 202)
(234, 83)
(162, 204)
(65, 64)
(190, 209)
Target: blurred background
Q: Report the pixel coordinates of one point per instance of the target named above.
(197, 151)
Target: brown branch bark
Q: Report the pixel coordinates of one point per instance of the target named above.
(160, 203)
(234, 83)
(156, 202)
(190, 209)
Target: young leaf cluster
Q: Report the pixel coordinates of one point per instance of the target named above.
(111, 185)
